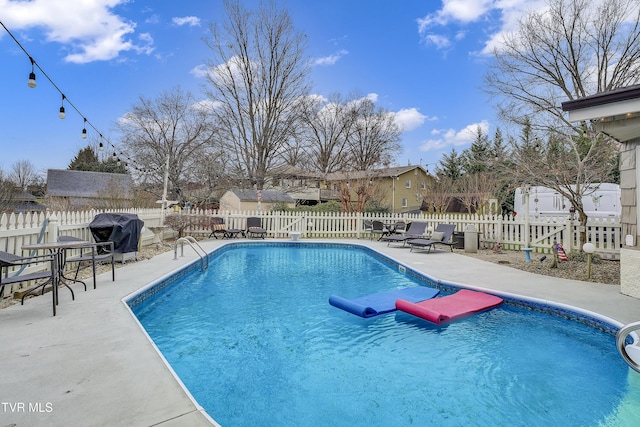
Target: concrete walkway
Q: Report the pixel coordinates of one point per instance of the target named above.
(92, 365)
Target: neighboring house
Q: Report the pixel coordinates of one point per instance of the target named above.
(304, 186)
(617, 114)
(71, 189)
(399, 188)
(27, 202)
(252, 200)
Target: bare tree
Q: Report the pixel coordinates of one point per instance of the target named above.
(174, 127)
(7, 192)
(212, 175)
(258, 82)
(476, 189)
(327, 127)
(438, 194)
(23, 174)
(572, 167)
(572, 49)
(113, 196)
(374, 138)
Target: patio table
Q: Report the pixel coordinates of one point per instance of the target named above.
(57, 250)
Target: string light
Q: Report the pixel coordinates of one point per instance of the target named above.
(32, 75)
(62, 115)
(84, 129)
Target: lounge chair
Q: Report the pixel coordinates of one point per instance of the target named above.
(440, 236)
(416, 230)
(254, 228)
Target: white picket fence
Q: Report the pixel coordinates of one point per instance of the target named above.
(17, 230)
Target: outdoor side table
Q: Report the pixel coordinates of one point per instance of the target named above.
(232, 233)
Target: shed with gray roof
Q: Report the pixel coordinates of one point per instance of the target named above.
(71, 189)
(247, 200)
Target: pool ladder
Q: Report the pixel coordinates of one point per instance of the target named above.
(204, 259)
(621, 339)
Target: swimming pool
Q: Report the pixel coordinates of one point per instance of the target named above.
(265, 347)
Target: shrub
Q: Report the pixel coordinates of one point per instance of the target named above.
(580, 256)
(281, 207)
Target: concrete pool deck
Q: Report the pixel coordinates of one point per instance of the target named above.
(92, 365)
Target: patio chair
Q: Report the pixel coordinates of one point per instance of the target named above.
(367, 226)
(218, 228)
(378, 227)
(416, 230)
(400, 227)
(103, 251)
(254, 228)
(440, 236)
(8, 260)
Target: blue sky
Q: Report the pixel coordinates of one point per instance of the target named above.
(422, 60)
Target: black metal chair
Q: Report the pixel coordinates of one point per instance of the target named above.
(8, 260)
(254, 228)
(91, 252)
(218, 227)
(400, 227)
(378, 227)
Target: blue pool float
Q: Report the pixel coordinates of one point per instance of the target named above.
(381, 302)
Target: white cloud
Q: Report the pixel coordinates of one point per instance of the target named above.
(510, 15)
(199, 71)
(90, 29)
(440, 41)
(206, 105)
(410, 118)
(464, 12)
(192, 21)
(331, 59)
(444, 138)
(373, 97)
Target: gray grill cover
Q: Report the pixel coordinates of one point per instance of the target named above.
(122, 229)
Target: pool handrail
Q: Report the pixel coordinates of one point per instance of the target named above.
(621, 338)
(204, 259)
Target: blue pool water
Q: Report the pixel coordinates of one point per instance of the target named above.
(256, 342)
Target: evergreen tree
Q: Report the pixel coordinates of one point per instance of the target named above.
(450, 166)
(498, 147)
(87, 160)
(477, 156)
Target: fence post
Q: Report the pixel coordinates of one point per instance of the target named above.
(568, 245)
(52, 229)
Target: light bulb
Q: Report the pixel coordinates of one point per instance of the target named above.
(84, 134)
(32, 80)
(62, 114)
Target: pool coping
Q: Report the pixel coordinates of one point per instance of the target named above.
(97, 367)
